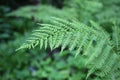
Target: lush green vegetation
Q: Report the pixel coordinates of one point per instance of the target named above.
(60, 40)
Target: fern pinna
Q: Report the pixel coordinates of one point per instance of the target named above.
(92, 43)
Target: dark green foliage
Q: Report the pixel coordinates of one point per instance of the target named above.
(81, 41)
(22, 66)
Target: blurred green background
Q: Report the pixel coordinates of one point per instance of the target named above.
(19, 17)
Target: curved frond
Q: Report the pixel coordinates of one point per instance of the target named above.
(92, 42)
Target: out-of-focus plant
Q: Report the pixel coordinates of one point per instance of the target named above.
(95, 42)
(42, 12)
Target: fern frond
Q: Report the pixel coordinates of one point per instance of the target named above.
(61, 29)
(116, 38)
(94, 43)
